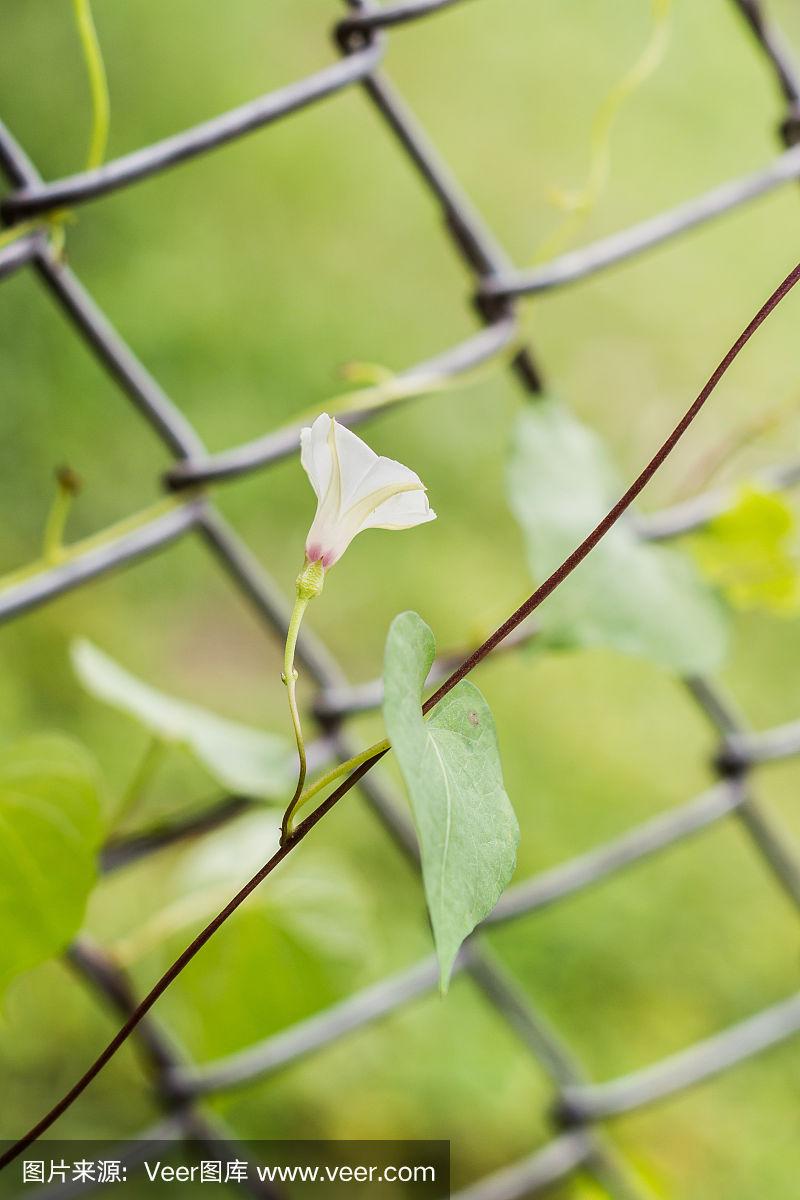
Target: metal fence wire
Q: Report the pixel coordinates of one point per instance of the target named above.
(580, 1106)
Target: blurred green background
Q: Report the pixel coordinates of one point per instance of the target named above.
(244, 280)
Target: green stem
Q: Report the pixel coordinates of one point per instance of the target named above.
(98, 83)
(52, 223)
(342, 769)
(290, 679)
(7, 236)
(53, 539)
(96, 540)
(68, 485)
(142, 776)
(98, 137)
(388, 388)
(578, 206)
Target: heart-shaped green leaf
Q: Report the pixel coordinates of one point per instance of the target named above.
(628, 594)
(50, 827)
(468, 833)
(239, 758)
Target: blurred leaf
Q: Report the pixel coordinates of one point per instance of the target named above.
(467, 829)
(301, 941)
(50, 827)
(750, 553)
(239, 758)
(315, 901)
(635, 597)
(249, 984)
(587, 1188)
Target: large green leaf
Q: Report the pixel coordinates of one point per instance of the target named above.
(468, 833)
(239, 758)
(50, 827)
(628, 594)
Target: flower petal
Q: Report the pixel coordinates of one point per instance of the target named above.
(356, 462)
(401, 512)
(383, 474)
(315, 454)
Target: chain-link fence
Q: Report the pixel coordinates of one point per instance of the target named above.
(579, 1105)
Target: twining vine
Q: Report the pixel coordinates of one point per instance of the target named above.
(292, 837)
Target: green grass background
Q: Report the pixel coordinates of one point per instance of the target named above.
(243, 280)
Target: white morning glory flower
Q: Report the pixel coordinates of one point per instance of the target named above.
(356, 489)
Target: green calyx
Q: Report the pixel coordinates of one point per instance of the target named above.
(310, 581)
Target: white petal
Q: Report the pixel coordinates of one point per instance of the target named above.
(383, 473)
(356, 461)
(401, 512)
(315, 454)
(328, 539)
